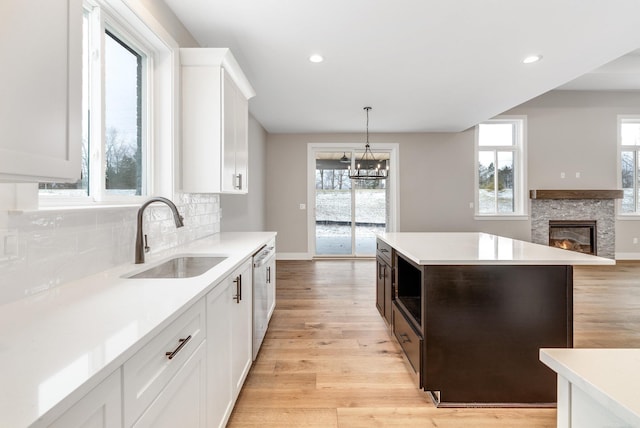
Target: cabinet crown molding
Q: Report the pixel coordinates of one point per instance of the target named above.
(221, 57)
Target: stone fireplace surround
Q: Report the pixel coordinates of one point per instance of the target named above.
(598, 205)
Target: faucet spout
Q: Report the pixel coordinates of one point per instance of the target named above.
(141, 244)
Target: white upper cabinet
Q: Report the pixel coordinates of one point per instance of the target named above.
(215, 117)
(41, 87)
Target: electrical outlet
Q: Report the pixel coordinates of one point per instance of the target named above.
(303, 206)
(635, 240)
(562, 175)
(471, 205)
(577, 175)
(8, 244)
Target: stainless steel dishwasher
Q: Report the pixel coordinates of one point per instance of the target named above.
(263, 292)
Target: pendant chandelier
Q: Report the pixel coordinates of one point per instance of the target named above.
(368, 168)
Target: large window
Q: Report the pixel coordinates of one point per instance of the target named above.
(500, 164)
(629, 140)
(115, 105)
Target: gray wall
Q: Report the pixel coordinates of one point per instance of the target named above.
(573, 131)
(568, 131)
(242, 213)
(286, 189)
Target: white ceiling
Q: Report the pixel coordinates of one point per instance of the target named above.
(423, 65)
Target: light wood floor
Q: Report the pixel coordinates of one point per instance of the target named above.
(328, 359)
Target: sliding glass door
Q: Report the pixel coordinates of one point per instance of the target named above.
(348, 213)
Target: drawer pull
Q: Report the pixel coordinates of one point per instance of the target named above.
(238, 282)
(405, 338)
(183, 342)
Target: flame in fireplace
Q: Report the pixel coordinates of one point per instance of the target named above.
(565, 244)
(568, 244)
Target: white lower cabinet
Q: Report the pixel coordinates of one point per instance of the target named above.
(182, 403)
(100, 408)
(220, 394)
(271, 286)
(153, 368)
(229, 345)
(242, 327)
(188, 375)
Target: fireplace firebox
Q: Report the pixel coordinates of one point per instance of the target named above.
(574, 235)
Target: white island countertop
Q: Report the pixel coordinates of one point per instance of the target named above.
(57, 345)
(475, 248)
(609, 376)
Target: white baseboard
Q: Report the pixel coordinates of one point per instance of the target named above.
(627, 256)
(293, 256)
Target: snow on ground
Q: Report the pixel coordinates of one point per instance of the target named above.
(335, 206)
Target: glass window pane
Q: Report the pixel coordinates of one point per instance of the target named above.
(486, 182)
(333, 205)
(637, 180)
(496, 134)
(627, 163)
(123, 118)
(370, 214)
(505, 182)
(630, 133)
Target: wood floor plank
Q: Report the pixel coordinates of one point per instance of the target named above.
(328, 359)
(271, 343)
(278, 417)
(443, 418)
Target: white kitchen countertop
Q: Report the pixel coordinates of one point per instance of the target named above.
(609, 376)
(473, 248)
(57, 345)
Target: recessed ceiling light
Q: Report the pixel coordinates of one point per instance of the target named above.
(316, 58)
(531, 59)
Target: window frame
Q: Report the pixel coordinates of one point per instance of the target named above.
(142, 32)
(634, 215)
(518, 149)
(136, 44)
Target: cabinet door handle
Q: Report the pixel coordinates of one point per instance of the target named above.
(394, 289)
(238, 181)
(238, 282)
(405, 338)
(182, 342)
(268, 274)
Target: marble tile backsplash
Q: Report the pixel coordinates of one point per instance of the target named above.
(43, 249)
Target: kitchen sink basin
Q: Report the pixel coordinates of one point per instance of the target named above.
(181, 267)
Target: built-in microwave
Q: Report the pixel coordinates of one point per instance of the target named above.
(409, 290)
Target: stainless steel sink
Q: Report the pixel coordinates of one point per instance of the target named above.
(181, 267)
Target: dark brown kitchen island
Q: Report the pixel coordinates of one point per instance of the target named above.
(472, 310)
